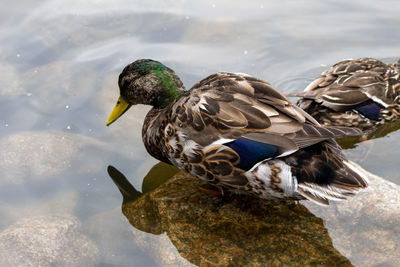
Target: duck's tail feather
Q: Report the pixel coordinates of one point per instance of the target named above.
(321, 194)
(346, 183)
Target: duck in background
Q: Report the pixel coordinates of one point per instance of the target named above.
(362, 93)
(239, 134)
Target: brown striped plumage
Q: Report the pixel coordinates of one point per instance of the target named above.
(334, 97)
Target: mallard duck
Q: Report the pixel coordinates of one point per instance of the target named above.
(361, 93)
(239, 134)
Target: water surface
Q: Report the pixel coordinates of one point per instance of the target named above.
(59, 63)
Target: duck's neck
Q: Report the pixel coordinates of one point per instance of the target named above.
(171, 88)
(168, 89)
(151, 135)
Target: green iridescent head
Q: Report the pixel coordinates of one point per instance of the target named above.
(147, 82)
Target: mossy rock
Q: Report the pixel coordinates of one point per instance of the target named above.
(232, 230)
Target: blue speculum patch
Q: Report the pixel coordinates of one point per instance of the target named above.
(371, 111)
(251, 152)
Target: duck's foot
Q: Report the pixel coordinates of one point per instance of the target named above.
(213, 190)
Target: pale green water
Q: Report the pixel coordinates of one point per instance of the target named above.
(59, 62)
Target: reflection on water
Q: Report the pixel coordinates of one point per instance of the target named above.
(158, 174)
(361, 148)
(59, 65)
(235, 230)
(377, 132)
(384, 130)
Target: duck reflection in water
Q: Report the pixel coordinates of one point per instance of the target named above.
(232, 229)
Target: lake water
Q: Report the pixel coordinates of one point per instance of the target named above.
(59, 64)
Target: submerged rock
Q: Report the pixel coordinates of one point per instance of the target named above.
(234, 230)
(61, 203)
(160, 247)
(111, 233)
(240, 230)
(37, 156)
(366, 229)
(46, 241)
(9, 80)
(69, 83)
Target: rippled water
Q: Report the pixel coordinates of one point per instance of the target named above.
(59, 63)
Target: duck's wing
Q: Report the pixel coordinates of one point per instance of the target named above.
(236, 114)
(228, 105)
(351, 84)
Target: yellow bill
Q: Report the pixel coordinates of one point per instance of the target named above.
(120, 108)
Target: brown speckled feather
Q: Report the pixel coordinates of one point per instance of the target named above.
(333, 97)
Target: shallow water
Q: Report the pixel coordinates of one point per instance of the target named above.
(59, 63)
